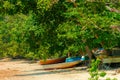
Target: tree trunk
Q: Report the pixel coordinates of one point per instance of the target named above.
(88, 51)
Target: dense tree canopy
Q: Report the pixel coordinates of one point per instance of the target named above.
(52, 28)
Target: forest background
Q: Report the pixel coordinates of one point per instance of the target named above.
(35, 29)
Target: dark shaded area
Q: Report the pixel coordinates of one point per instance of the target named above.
(78, 69)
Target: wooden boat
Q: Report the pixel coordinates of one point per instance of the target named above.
(52, 61)
(61, 65)
(111, 59)
(72, 59)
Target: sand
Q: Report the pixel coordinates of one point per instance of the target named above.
(27, 70)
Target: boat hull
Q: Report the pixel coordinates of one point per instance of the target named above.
(61, 65)
(52, 61)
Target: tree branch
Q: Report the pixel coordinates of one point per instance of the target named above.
(112, 9)
(115, 27)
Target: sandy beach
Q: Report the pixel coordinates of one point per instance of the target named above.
(28, 70)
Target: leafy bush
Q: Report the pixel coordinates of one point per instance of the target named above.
(55, 27)
(95, 73)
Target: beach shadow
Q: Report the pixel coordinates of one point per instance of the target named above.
(46, 72)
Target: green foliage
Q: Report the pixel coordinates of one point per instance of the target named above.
(95, 73)
(11, 35)
(94, 70)
(17, 6)
(84, 21)
(52, 28)
(112, 79)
